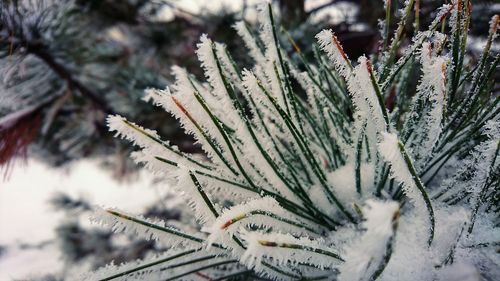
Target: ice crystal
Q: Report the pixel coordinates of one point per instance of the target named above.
(336, 186)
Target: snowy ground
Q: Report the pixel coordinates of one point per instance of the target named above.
(26, 218)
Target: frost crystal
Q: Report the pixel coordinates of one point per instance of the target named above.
(368, 177)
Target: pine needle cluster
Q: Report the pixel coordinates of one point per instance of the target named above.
(330, 169)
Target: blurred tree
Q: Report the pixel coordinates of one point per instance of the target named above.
(65, 65)
(58, 58)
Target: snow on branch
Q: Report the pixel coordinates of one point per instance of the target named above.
(331, 45)
(287, 251)
(263, 213)
(368, 256)
(402, 169)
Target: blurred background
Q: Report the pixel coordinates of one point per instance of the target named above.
(66, 64)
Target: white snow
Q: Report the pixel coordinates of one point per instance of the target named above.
(26, 216)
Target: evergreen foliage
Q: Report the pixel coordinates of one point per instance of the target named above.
(332, 169)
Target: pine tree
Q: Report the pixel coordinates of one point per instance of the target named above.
(65, 65)
(331, 169)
